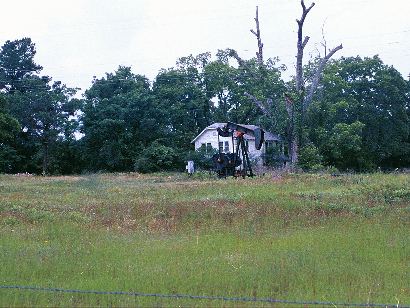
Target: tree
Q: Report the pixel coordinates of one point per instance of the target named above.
(181, 96)
(17, 63)
(262, 79)
(366, 91)
(219, 79)
(119, 120)
(46, 113)
(9, 128)
(297, 107)
(249, 77)
(345, 145)
(300, 94)
(8, 125)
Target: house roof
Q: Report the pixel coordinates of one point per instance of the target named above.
(268, 135)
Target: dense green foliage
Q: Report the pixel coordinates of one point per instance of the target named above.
(157, 157)
(294, 237)
(119, 120)
(359, 118)
(44, 112)
(9, 128)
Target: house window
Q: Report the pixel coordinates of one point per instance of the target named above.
(207, 147)
(226, 146)
(269, 146)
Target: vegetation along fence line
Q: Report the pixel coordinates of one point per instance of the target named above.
(204, 297)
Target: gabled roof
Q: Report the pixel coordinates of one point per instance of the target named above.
(268, 135)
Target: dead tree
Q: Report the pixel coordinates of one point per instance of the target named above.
(263, 106)
(301, 44)
(257, 33)
(304, 97)
(297, 104)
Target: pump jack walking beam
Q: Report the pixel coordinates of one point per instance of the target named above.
(258, 133)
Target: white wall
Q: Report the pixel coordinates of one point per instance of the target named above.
(211, 136)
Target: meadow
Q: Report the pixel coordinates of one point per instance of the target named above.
(313, 237)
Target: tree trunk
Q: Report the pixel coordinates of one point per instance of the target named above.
(294, 150)
(257, 33)
(296, 132)
(45, 158)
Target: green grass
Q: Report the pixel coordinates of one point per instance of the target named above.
(295, 237)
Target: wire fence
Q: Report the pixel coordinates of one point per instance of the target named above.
(203, 297)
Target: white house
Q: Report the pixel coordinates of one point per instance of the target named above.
(209, 139)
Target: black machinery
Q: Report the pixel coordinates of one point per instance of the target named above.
(226, 164)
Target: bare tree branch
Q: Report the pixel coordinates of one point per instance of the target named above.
(257, 33)
(234, 54)
(263, 107)
(305, 11)
(318, 75)
(289, 105)
(324, 43)
(305, 41)
(301, 44)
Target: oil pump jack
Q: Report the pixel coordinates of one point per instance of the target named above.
(225, 164)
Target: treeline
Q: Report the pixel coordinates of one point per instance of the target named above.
(359, 118)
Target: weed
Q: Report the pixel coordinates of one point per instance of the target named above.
(295, 236)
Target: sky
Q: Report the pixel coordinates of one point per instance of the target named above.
(78, 39)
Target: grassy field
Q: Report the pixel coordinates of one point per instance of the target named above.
(291, 237)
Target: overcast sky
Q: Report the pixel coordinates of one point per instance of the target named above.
(79, 39)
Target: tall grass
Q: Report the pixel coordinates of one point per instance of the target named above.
(310, 237)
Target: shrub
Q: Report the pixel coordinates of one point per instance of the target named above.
(310, 158)
(156, 158)
(202, 158)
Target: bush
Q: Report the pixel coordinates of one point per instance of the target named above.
(273, 157)
(202, 158)
(156, 158)
(310, 158)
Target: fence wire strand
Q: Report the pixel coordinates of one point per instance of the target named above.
(202, 297)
